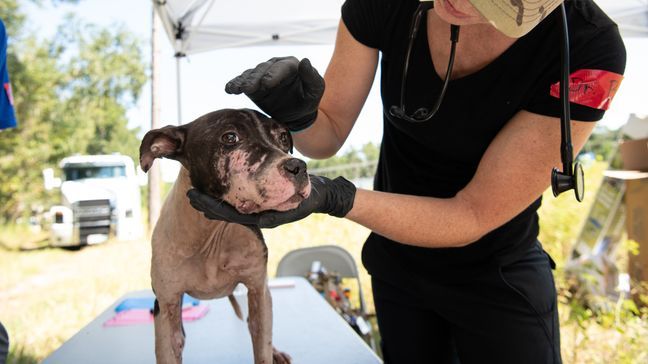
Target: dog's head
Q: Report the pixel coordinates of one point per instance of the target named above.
(239, 156)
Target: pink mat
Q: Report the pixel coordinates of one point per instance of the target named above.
(139, 316)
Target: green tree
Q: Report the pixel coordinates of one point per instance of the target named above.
(11, 17)
(104, 77)
(354, 163)
(71, 95)
(602, 143)
(371, 151)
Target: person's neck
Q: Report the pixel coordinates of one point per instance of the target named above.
(479, 44)
(481, 32)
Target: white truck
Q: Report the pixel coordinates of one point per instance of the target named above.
(100, 197)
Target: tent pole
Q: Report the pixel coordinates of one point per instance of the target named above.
(178, 90)
(154, 174)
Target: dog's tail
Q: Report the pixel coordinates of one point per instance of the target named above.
(235, 306)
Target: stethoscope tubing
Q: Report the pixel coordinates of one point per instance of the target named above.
(561, 181)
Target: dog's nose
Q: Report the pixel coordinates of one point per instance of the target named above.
(294, 166)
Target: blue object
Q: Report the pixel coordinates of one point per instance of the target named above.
(7, 116)
(147, 303)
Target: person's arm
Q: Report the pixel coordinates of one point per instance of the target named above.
(514, 171)
(348, 80)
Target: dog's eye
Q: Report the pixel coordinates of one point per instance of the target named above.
(230, 138)
(286, 141)
(284, 138)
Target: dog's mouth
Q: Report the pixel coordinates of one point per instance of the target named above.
(247, 207)
(292, 202)
(250, 207)
(299, 196)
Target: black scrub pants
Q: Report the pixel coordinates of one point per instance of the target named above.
(503, 314)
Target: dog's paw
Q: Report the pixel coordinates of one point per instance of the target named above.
(279, 357)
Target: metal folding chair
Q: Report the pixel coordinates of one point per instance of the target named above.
(334, 258)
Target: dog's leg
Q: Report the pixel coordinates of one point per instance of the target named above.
(169, 333)
(260, 325)
(235, 306)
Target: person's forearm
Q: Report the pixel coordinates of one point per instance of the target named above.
(321, 140)
(419, 221)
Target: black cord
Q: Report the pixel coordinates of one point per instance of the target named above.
(454, 38)
(414, 25)
(423, 114)
(566, 148)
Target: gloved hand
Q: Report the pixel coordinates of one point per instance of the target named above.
(284, 88)
(333, 197)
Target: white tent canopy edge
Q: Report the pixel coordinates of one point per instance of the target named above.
(195, 26)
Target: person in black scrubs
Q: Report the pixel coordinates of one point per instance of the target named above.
(457, 271)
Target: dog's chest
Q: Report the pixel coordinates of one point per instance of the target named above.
(208, 276)
(212, 262)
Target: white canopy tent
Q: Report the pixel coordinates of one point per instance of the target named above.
(195, 26)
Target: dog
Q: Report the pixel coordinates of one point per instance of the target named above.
(242, 157)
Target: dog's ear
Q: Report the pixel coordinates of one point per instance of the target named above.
(166, 142)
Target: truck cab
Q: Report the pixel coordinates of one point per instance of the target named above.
(100, 197)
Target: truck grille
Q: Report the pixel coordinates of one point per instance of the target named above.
(92, 217)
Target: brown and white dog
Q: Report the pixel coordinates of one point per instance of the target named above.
(242, 157)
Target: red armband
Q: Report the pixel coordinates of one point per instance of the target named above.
(593, 88)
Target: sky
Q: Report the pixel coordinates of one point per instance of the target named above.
(204, 75)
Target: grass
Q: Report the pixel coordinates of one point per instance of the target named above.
(47, 295)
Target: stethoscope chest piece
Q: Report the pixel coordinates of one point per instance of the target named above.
(561, 182)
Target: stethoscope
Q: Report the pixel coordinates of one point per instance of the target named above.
(571, 176)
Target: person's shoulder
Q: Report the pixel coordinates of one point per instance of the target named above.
(591, 28)
(384, 6)
(378, 5)
(371, 21)
(587, 17)
(595, 37)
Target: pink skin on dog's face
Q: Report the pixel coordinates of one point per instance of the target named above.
(240, 156)
(254, 189)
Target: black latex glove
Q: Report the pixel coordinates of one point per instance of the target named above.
(333, 197)
(284, 88)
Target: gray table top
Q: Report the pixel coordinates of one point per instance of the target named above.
(305, 326)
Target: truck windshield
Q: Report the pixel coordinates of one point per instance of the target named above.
(82, 172)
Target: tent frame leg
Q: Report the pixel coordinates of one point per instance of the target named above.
(178, 87)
